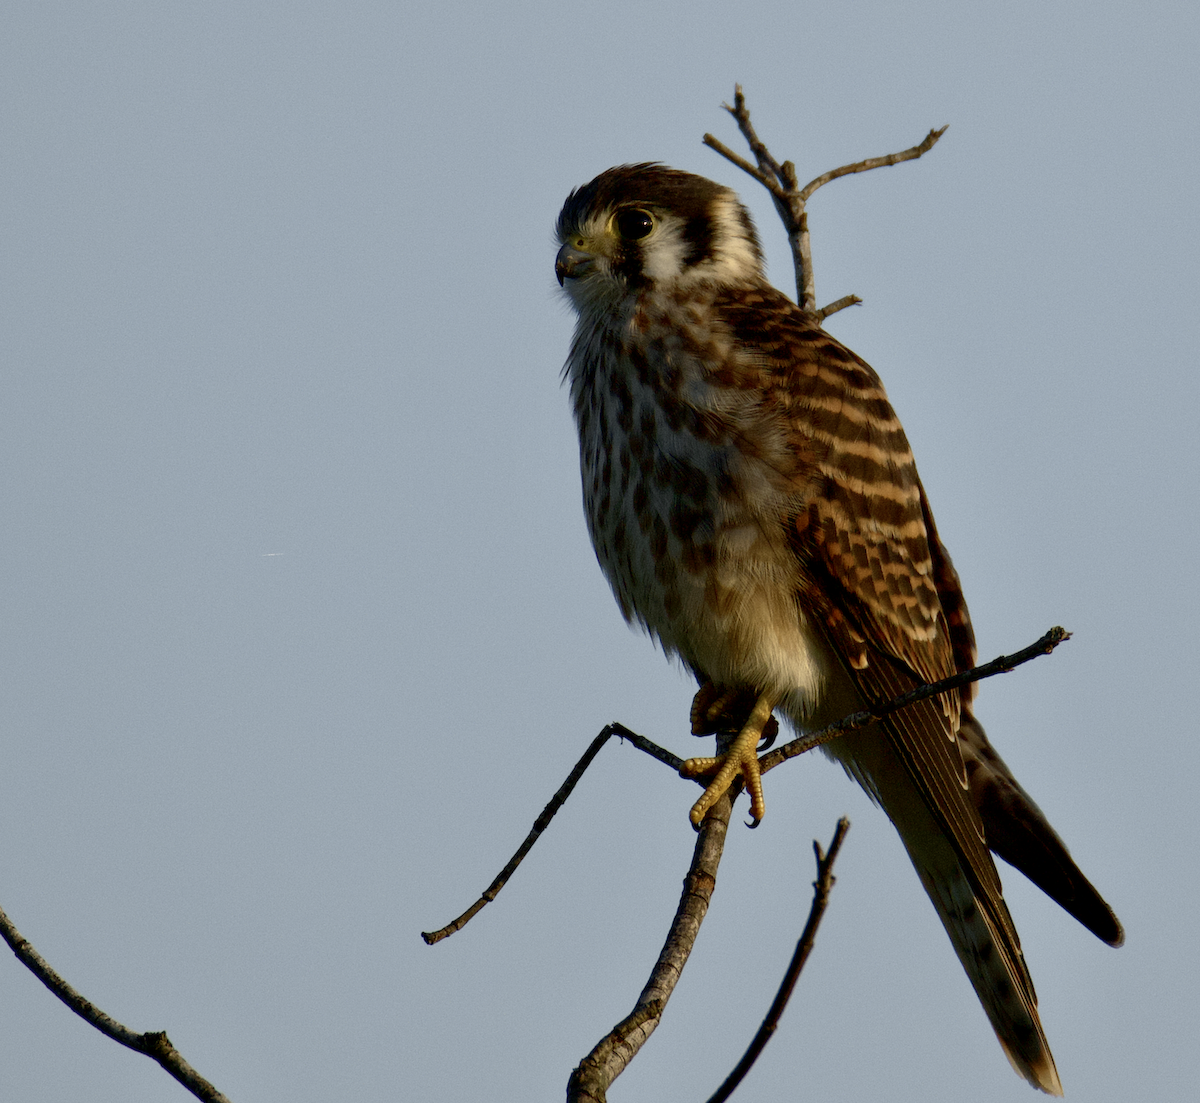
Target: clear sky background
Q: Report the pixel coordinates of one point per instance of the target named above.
(301, 626)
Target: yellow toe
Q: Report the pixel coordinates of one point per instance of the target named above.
(740, 759)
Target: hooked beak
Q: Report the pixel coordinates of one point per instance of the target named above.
(571, 263)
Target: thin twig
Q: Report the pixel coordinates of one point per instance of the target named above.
(838, 304)
(822, 887)
(766, 180)
(1000, 665)
(539, 825)
(547, 814)
(609, 1058)
(648, 746)
(758, 147)
(154, 1044)
(923, 147)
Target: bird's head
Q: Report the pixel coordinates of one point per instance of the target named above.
(641, 226)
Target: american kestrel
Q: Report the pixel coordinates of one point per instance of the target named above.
(754, 505)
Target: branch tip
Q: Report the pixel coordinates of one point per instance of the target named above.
(822, 887)
(839, 304)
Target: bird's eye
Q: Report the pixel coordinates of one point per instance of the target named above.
(633, 223)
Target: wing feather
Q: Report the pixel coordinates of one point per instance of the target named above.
(878, 579)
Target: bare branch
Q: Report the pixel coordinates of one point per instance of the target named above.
(595, 1073)
(790, 199)
(153, 1044)
(926, 144)
(649, 747)
(780, 181)
(741, 114)
(840, 304)
(548, 813)
(539, 825)
(767, 181)
(822, 887)
(1000, 665)
(802, 262)
(612, 1054)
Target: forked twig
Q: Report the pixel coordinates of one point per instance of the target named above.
(822, 887)
(790, 199)
(154, 1044)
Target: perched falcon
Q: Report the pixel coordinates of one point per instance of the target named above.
(755, 506)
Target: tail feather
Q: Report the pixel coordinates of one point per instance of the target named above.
(966, 898)
(991, 957)
(1019, 833)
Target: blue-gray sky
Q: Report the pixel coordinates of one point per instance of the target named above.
(301, 626)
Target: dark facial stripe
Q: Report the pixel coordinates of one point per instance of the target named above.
(655, 187)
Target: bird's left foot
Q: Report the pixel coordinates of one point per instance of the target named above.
(741, 757)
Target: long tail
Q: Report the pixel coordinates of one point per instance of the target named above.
(944, 838)
(990, 952)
